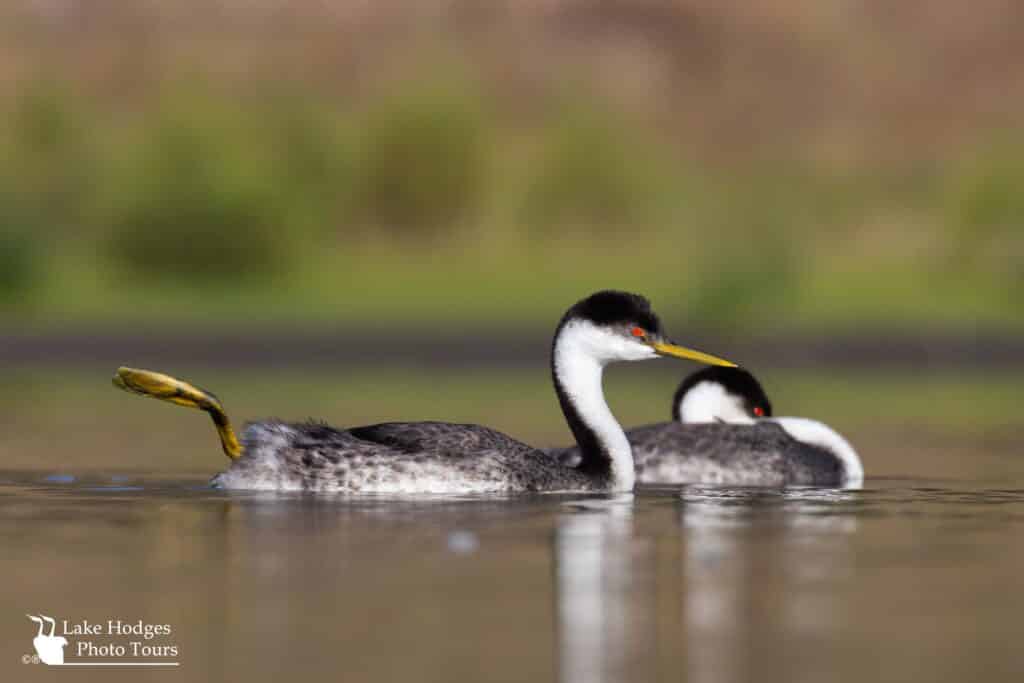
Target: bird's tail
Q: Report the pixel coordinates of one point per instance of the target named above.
(166, 388)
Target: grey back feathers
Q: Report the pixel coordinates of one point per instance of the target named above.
(395, 458)
(761, 454)
(757, 454)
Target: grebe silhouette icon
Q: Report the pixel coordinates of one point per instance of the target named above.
(50, 648)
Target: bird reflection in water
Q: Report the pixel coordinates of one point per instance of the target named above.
(606, 591)
(761, 569)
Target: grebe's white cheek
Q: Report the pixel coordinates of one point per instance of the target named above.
(737, 413)
(636, 350)
(602, 344)
(617, 347)
(711, 402)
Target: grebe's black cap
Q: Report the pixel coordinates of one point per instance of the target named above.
(611, 307)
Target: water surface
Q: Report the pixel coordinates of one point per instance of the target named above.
(904, 580)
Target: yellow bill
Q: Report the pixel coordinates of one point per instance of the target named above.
(666, 349)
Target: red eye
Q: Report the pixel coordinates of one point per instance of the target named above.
(639, 332)
(758, 411)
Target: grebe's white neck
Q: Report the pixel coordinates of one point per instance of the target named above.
(581, 351)
(712, 402)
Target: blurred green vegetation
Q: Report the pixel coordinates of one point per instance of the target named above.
(422, 163)
(427, 205)
(194, 203)
(19, 261)
(592, 176)
(986, 212)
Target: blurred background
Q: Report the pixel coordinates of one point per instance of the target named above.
(373, 211)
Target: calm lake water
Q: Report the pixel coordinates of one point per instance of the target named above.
(904, 580)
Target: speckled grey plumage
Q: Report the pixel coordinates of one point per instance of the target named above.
(761, 454)
(409, 457)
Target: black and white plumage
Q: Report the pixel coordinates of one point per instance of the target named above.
(723, 433)
(395, 458)
(442, 457)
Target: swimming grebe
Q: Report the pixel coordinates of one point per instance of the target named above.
(442, 457)
(723, 432)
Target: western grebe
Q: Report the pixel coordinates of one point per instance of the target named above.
(441, 457)
(720, 394)
(723, 432)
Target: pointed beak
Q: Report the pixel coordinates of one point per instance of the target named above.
(670, 349)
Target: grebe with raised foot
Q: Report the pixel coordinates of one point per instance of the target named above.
(443, 457)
